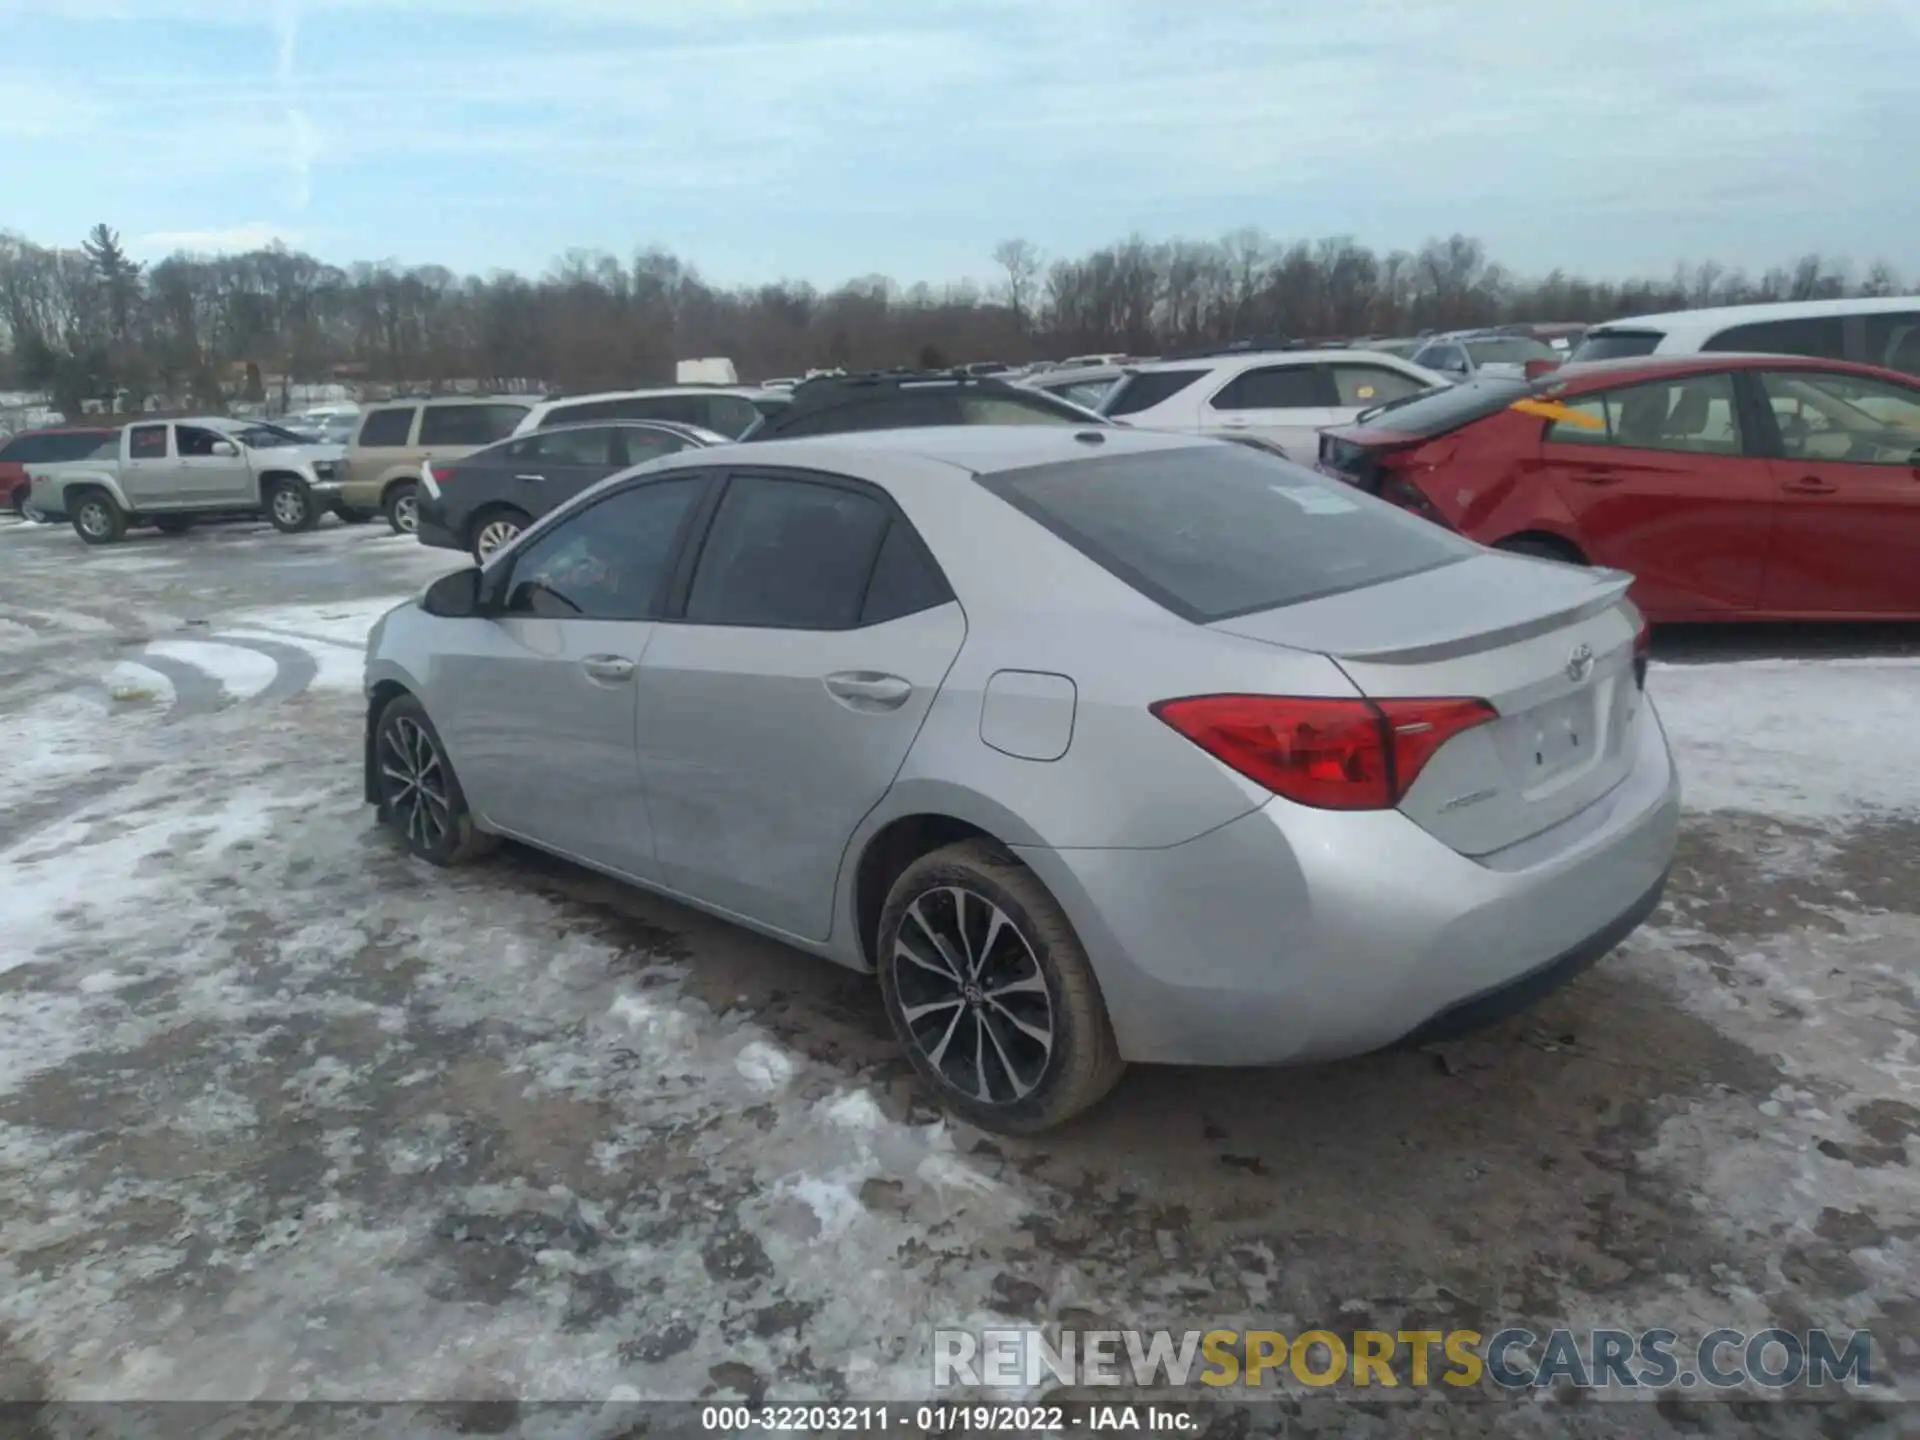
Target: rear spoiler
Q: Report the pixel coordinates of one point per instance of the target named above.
(1610, 590)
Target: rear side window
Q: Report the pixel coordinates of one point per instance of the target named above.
(1276, 387)
(787, 554)
(386, 429)
(1617, 345)
(1825, 338)
(905, 578)
(1143, 391)
(149, 442)
(1694, 414)
(636, 447)
(1219, 530)
(564, 447)
(469, 424)
(727, 414)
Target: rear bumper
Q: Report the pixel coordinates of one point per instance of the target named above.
(434, 527)
(1294, 934)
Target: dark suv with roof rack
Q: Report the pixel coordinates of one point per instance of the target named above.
(891, 400)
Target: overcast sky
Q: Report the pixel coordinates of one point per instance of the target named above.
(823, 139)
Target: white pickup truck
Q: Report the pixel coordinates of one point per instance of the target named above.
(170, 473)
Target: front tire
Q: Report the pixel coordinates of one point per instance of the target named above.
(403, 508)
(290, 507)
(97, 519)
(419, 794)
(493, 529)
(991, 992)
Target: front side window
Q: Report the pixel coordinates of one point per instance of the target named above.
(607, 562)
(1690, 413)
(1846, 418)
(1276, 387)
(195, 443)
(387, 429)
(789, 554)
(1364, 385)
(149, 442)
(469, 424)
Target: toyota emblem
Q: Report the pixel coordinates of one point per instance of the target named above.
(1580, 663)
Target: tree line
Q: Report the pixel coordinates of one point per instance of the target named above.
(89, 321)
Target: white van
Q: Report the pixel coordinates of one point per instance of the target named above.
(1881, 331)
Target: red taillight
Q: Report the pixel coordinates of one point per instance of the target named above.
(1331, 754)
(1642, 651)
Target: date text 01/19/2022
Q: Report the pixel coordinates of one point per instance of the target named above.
(943, 1419)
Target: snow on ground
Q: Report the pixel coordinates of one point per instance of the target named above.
(242, 673)
(284, 1113)
(1812, 740)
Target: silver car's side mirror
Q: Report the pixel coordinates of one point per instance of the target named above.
(455, 596)
(225, 449)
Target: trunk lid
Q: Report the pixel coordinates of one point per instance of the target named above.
(1549, 646)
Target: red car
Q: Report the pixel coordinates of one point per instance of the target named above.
(44, 447)
(1733, 487)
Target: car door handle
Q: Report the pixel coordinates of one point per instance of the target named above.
(611, 668)
(1234, 422)
(867, 690)
(1598, 477)
(1808, 485)
(537, 479)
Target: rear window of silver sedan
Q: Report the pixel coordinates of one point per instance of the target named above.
(1217, 530)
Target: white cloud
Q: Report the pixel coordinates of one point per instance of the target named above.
(235, 239)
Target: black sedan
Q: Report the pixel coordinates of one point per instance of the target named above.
(481, 501)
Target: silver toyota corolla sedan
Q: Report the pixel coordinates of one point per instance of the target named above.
(1096, 745)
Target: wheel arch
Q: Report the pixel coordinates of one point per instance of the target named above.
(382, 694)
(916, 818)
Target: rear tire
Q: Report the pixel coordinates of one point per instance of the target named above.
(19, 500)
(991, 992)
(402, 505)
(97, 518)
(493, 528)
(290, 507)
(1542, 547)
(420, 797)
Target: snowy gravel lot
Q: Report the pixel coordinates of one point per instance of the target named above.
(287, 1115)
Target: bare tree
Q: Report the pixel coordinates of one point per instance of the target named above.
(1021, 261)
